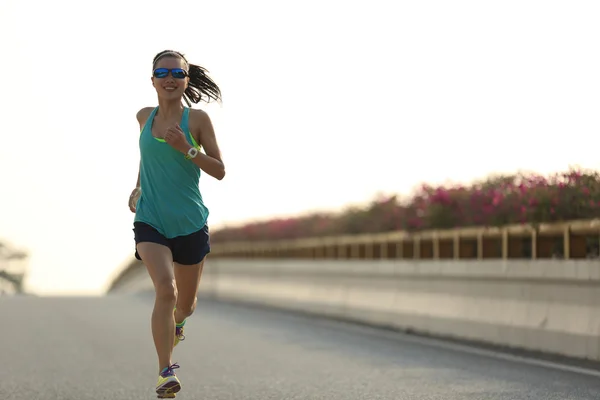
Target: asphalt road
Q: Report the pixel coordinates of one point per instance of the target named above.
(101, 348)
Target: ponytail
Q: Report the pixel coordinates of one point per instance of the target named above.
(200, 87)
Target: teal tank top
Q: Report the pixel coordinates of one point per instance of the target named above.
(170, 201)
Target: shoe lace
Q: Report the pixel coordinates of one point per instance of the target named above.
(179, 334)
(169, 370)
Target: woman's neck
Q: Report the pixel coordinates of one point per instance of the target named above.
(169, 109)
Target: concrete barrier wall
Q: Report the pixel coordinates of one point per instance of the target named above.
(549, 306)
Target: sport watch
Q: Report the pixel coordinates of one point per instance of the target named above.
(192, 153)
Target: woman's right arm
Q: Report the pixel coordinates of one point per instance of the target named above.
(137, 185)
(142, 116)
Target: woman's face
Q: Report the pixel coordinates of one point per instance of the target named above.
(168, 79)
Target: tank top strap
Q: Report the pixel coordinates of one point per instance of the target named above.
(185, 126)
(185, 119)
(148, 123)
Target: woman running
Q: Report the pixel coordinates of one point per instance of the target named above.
(170, 224)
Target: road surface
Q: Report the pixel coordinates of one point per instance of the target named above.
(101, 348)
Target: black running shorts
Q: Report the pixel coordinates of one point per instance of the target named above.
(187, 250)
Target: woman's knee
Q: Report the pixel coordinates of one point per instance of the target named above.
(189, 308)
(166, 290)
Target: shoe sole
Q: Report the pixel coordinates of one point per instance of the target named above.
(168, 388)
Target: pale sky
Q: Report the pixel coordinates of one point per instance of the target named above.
(326, 103)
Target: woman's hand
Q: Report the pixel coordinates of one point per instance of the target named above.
(133, 199)
(176, 139)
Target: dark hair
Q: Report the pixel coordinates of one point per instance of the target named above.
(200, 87)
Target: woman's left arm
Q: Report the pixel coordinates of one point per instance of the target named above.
(202, 129)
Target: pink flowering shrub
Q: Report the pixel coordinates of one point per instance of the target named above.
(496, 201)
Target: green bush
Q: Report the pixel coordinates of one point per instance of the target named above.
(496, 201)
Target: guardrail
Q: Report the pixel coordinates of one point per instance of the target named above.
(564, 240)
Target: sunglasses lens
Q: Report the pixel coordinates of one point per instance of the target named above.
(161, 72)
(178, 73)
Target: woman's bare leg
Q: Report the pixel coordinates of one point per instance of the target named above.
(188, 281)
(159, 263)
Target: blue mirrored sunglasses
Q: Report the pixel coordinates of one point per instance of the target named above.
(176, 73)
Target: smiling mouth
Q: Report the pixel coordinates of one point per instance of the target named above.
(170, 88)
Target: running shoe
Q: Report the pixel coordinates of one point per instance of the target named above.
(168, 384)
(179, 336)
